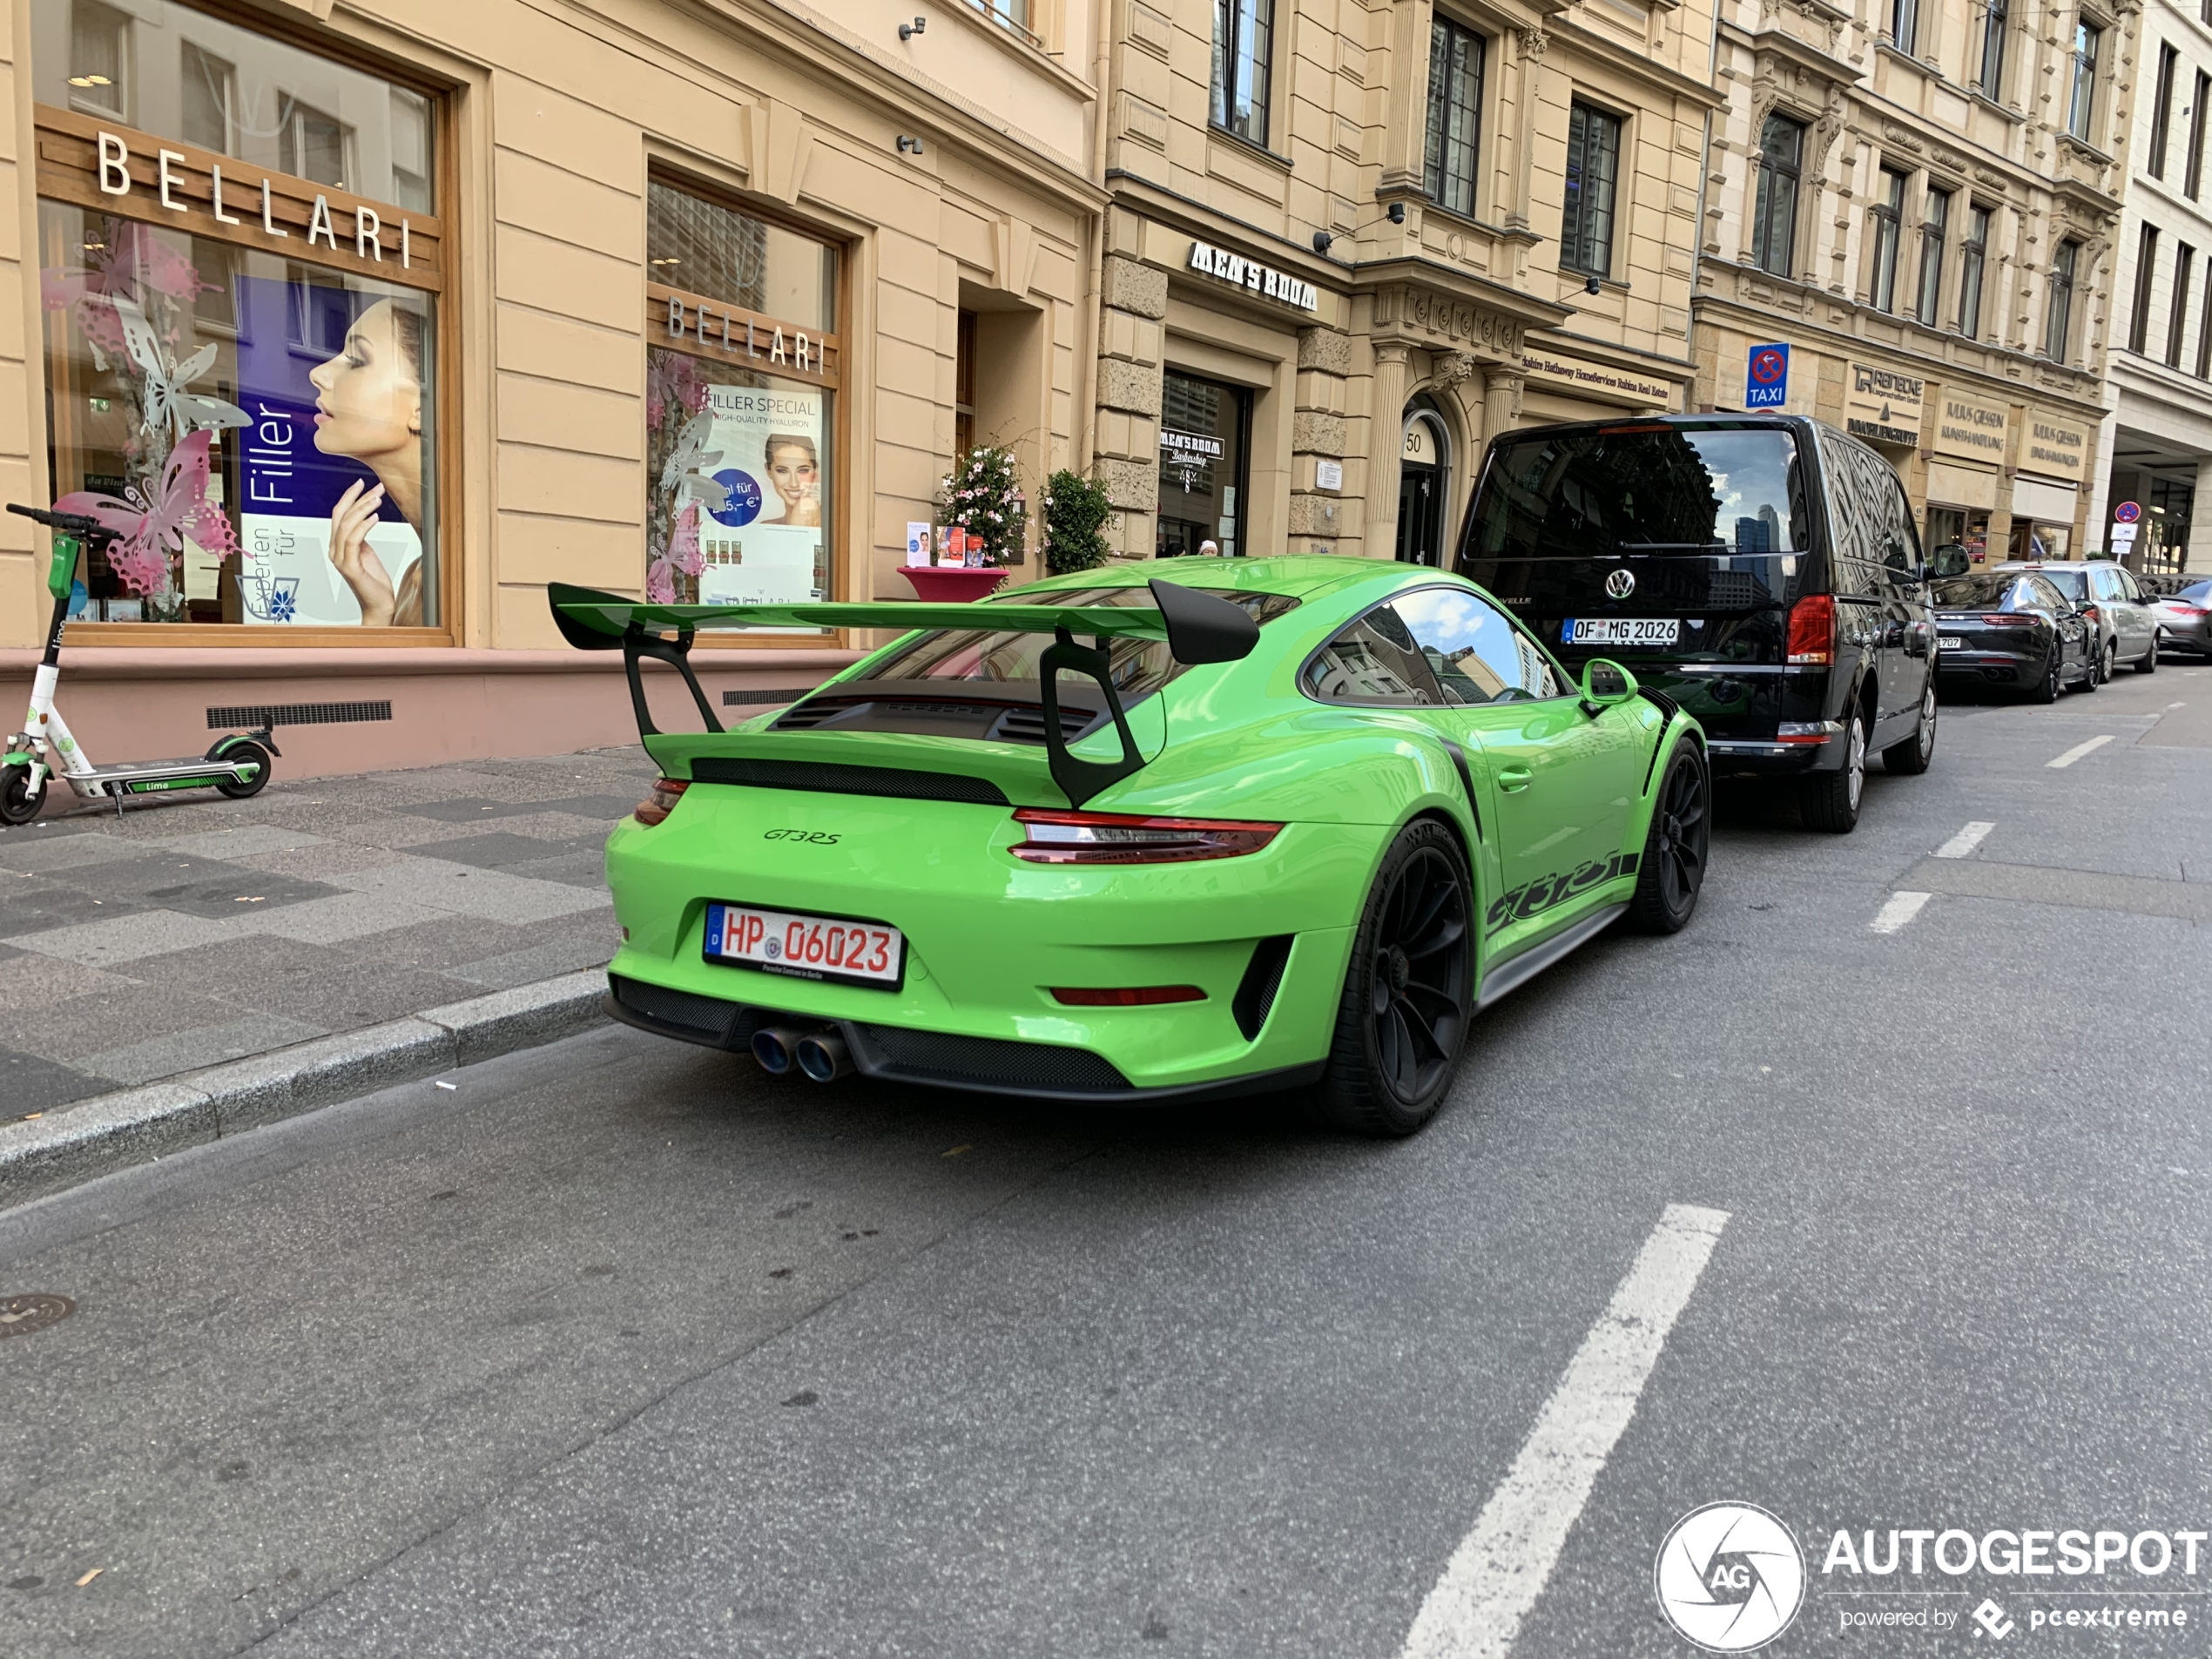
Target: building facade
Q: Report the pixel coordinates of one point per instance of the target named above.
(1347, 245)
(1919, 199)
(2152, 505)
(364, 321)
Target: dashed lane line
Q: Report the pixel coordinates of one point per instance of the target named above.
(1900, 908)
(2077, 751)
(1500, 1568)
(1963, 844)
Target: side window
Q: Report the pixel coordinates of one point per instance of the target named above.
(2040, 592)
(1854, 513)
(2129, 590)
(1474, 650)
(1374, 660)
(1900, 545)
(2104, 582)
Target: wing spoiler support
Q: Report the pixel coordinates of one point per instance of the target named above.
(1197, 626)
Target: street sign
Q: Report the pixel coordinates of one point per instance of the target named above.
(2127, 512)
(2123, 535)
(1766, 379)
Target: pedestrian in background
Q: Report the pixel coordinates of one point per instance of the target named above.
(1210, 549)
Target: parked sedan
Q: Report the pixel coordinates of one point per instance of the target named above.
(2120, 613)
(2011, 628)
(2185, 619)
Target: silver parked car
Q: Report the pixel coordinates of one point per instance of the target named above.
(2185, 619)
(2127, 617)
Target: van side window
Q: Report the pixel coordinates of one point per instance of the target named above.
(1373, 660)
(1856, 511)
(1900, 541)
(1475, 650)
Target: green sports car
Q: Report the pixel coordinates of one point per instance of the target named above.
(1124, 837)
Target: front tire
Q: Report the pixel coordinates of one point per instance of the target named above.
(1828, 801)
(19, 802)
(1911, 757)
(1673, 868)
(244, 749)
(2148, 664)
(1402, 1019)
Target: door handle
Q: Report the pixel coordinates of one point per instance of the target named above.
(1513, 780)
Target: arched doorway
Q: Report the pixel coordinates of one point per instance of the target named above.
(1424, 484)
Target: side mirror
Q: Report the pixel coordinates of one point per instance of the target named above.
(1605, 683)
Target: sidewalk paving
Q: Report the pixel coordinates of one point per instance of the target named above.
(193, 931)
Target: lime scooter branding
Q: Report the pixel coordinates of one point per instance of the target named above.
(238, 766)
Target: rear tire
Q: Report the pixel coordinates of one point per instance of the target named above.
(1911, 757)
(1402, 1019)
(1828, 801)
(19, 803)
(1675, 849)
(2048, 691)
(246, 750)
(2148, 663)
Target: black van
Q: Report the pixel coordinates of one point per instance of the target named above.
(1761, 570)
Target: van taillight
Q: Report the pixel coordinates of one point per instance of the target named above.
(661, 801)
(1812, 630)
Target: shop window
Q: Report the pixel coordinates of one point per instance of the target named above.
(2177, 316)
(964, 386)
(1243, 34)
(1935, 226)
(1973, 256)
(2146, 276)
(2193, 170)
(1886, 214)
(242, 376)
(1774, 222)
(2081, 102)
(1454, 142)
(742, 374)
(1204, 429)
(2162, 110)
(2058, 317)
(1593, 173)
(1958, 539)
(1991, 81)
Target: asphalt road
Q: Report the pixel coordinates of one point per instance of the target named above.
(620, 1348)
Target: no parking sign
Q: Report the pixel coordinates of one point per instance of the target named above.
(1766, 379)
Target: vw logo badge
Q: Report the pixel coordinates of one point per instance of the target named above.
(1621, 583)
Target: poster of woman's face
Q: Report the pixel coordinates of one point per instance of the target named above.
(763, 542)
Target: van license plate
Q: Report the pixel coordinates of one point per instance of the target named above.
(1621, 630)
(817, 947)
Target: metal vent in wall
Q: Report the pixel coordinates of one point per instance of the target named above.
(734, 699)
(255, 716)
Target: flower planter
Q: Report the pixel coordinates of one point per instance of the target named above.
(950, 584)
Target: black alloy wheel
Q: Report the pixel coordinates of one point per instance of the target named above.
(1674, 852)
(19, 803)
(2047, 692)
(2089, 680)
(1403, 1017)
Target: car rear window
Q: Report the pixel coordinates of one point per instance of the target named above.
(1140, 666)
(1983, 589)
(1642, 490)
(2073, 584)
(2197, 593)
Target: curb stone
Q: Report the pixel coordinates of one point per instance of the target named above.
(109, 1132)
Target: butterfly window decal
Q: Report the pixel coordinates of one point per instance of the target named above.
(154, 523)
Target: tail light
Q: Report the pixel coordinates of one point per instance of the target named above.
(2093, 613)
(1141, 997)
(2007, 619)
(1118, 838)
(1812, 630)
(2186, 611)
(661, 801)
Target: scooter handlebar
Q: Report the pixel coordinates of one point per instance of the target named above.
(81, 524)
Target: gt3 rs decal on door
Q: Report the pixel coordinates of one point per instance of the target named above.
(1548, 890)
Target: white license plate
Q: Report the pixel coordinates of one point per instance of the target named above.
(817, 947)
(1952, 642)
(1621, 630)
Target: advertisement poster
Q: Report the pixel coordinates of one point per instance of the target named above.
(290, 485)
(765, 543)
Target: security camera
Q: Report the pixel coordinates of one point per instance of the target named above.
(1593, 286)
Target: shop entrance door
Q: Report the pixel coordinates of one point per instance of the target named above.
(1205, 426)
(1421, 491)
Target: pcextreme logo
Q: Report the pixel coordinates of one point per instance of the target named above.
(1730, 1577)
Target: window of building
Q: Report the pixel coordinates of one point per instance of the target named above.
(1904, 24)
(2193, 170)
(2081, 102)
(964, 386)
(1991, 79)
(2058, 318)
(1973, 255)
(1888, 213)
(2146, 274)
(1593, 171)
(2204, 337)
(1935, 226)
(2177, 316)
(245, 384)
(742, 372)
(1243, 34)
(1205, 431)
(2162, 110)
(1774, 219)
(1454, 116)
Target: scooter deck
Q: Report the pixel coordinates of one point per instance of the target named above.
(153, 776)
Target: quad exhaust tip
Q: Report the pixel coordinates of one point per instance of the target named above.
(820, 1055)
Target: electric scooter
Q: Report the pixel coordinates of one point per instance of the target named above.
(237, 764)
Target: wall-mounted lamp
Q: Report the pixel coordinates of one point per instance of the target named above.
(1321, 240)
(1397, 213)
(1593, 286)
(909, 147)
(908, 30)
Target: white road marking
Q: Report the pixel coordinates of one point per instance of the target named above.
(1500, 1568)
(1900, 908)
(2077, 751)
(2177, 706)
(1963, 844)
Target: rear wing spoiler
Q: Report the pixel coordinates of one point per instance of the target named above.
(1198, 627)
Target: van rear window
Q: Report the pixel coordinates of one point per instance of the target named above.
(1642, 491)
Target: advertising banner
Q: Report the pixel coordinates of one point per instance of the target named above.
(765, 543)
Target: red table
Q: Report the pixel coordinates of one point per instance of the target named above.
(950, 584)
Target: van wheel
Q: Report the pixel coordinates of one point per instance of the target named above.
(1673, 867)
(1828, 801)
(1402, 1019)
(1910, 759)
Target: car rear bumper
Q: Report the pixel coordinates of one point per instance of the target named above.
(1744, 757)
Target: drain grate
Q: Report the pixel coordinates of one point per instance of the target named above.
(21, 1315)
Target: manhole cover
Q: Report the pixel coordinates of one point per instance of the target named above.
(21, 1315)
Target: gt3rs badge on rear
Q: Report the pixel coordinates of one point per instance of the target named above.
(811, 838)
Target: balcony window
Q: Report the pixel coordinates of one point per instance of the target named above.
(1593, 171)
(1991, 80)
(2146, 274)
(2161, 111)
(1454, 116)
(1774, 219)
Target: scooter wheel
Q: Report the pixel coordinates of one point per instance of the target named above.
(19, 802)
(243, 750)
